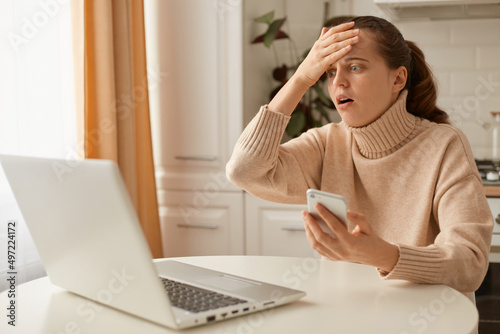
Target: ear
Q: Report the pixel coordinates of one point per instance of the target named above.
(400, 77)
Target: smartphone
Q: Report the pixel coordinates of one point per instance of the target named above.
(336, 204)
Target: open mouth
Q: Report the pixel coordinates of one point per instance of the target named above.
(346, 100)
(343, 101)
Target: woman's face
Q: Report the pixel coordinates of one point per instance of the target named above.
(361, 85)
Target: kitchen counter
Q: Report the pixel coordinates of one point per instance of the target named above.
(492, 191)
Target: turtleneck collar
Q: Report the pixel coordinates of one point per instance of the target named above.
(388, 133)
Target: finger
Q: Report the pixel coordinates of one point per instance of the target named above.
(336, 51)
(342, 44)
(360, 221)
(341, 27)
(323, 31)
(336, 56)
(317, 232)
(333, 222)
(312, 225)
(318, 246)
(322, 242)
(341, 36)
(333, 52)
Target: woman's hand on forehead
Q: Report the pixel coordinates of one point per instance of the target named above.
(331, 46)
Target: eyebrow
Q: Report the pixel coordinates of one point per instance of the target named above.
(355, 58)
(348, 60)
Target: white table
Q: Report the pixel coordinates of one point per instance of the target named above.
(341, 298)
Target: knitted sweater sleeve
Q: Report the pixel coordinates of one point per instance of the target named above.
(459, 255)
(263, 167)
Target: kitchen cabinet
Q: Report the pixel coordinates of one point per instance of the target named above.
(494, 203)
(194, 54)
(193, 223)
(195, 49)
(440, 9)
(275, 229)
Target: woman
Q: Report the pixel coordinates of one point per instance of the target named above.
(417, 206)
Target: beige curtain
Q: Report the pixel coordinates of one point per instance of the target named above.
(116, 121)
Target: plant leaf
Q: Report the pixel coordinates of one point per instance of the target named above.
(296, 123)
(322, 96)
(258, 39)
(280, 73)
(281, 34)
(266, 18)
(323, 112)
(273, 31)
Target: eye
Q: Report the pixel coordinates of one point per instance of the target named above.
(355, 68)
(331, 74)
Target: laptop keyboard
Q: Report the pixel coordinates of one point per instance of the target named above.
(194, 299)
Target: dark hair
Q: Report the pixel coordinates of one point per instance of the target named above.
(422, 91)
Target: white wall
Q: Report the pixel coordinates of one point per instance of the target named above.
(464, 55)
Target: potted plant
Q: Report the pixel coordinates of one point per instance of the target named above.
(316, 107)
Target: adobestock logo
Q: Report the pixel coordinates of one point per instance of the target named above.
(421, 319)
(32, 25)
(87, 311)
(294, 276)
(471, 105)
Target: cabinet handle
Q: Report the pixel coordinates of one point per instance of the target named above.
(207, 227)
(292, 228)
(497, 219)
(197, 157)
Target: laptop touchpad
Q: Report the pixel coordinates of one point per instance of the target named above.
(228, 283)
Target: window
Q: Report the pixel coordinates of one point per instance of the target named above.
(37, 109)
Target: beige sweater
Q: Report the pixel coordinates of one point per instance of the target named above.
(416, 182)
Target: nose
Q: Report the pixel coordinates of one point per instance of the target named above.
(340, 79)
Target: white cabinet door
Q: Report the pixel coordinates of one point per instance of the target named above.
(194, 53)
(275, 229)
(494, 203)
(195, 223)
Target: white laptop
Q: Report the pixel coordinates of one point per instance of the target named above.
(90, 241)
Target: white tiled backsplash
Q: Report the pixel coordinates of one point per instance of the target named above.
(465, 58)
(464, 55)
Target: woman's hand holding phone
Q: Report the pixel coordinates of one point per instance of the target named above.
(361, 245)
(336, 204)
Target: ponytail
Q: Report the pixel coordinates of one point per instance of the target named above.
(422, 92)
